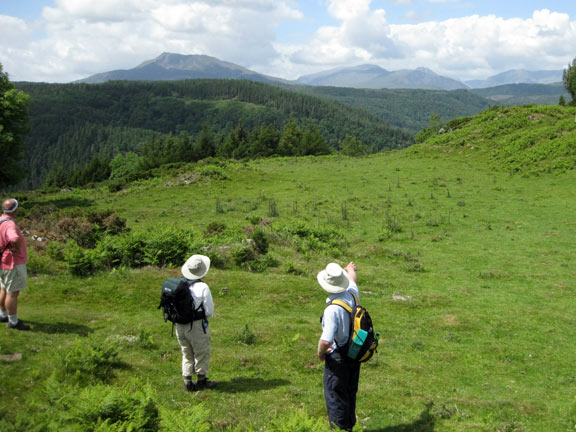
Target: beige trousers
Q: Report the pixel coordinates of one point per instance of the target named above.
(195, 347)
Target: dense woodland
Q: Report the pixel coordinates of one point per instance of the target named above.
(72, 124)
(77, 130)
(409, 109)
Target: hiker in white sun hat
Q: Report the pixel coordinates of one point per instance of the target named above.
(196, 267)
(194, 339)
(341, 376)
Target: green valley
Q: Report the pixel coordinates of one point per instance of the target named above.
(465, 249)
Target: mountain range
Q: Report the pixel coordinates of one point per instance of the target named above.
(168, 67)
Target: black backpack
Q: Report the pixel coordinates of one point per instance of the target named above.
(177, 303)
(362, 341)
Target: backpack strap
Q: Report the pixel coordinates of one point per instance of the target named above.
(356, 301)
(191, 282)
(348, 309)
(342, 304)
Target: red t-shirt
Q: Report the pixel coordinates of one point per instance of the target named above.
(10, 233)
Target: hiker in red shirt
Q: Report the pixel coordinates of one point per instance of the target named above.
(13, 275)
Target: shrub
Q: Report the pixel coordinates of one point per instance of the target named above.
(245, 336)
(216, 259)
(193, 418)
(112, 252)
(55, 250)
(212, 172)
(110, 409)
(213, 228)
(79, 261)
(40, 264)
(243, 256)
(298, 421)
(167, 247)
(307, 238)
(260, 241)
(89, 361)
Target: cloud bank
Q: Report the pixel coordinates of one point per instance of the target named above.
(78, 38)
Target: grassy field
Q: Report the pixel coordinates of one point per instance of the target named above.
(466, 270)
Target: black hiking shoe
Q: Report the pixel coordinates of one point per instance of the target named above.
(205, 384)
(18, 326)
(189, 386)
(4, 319)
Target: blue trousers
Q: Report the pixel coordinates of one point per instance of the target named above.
(341, 377)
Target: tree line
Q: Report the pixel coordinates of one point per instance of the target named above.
(240, 143)
(71, 123)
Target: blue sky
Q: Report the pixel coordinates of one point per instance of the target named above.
(64, 40)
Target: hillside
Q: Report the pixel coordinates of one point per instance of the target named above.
(83, 120)
(528, 139)
(520, 94)
(407, 109)
(465, 269)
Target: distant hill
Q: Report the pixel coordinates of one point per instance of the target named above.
(406, 108)
(374, 77)
(520, 94)
(527, 139)
(173, 67)
(70, 123)
(519, 76)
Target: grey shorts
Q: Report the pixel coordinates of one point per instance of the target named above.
(14, 279)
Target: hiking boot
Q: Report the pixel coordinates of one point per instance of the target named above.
(18, 326)
(205, 384)
(4, 319)
(189, 386)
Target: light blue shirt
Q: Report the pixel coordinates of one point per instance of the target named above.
(336, 320)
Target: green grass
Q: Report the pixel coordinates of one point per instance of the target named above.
(466, 270)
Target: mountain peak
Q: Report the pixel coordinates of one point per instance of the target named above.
(170, 67)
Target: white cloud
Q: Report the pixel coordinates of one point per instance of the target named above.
(15, 32)
(83, 37)
(78, 38)
(477, 46)
(463, 48)
(364, 35)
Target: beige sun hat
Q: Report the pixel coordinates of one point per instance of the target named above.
(334, 279)
(196, 267)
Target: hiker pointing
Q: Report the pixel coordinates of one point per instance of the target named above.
(341, 374)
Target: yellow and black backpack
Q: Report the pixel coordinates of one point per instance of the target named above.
(363, 341)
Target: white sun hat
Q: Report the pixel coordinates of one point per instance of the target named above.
(334, 279)
(196, 267)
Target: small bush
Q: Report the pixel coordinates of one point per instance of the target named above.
(80, 262)
(243, 256)
(245, 336)
(213, 228)
(193, 418)
(56, 250)
(145, 340)
(308, 238)
(216, 260)
(298, 421)
(39, 264)
(261, 243)
(167, 247)
(89, 361)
